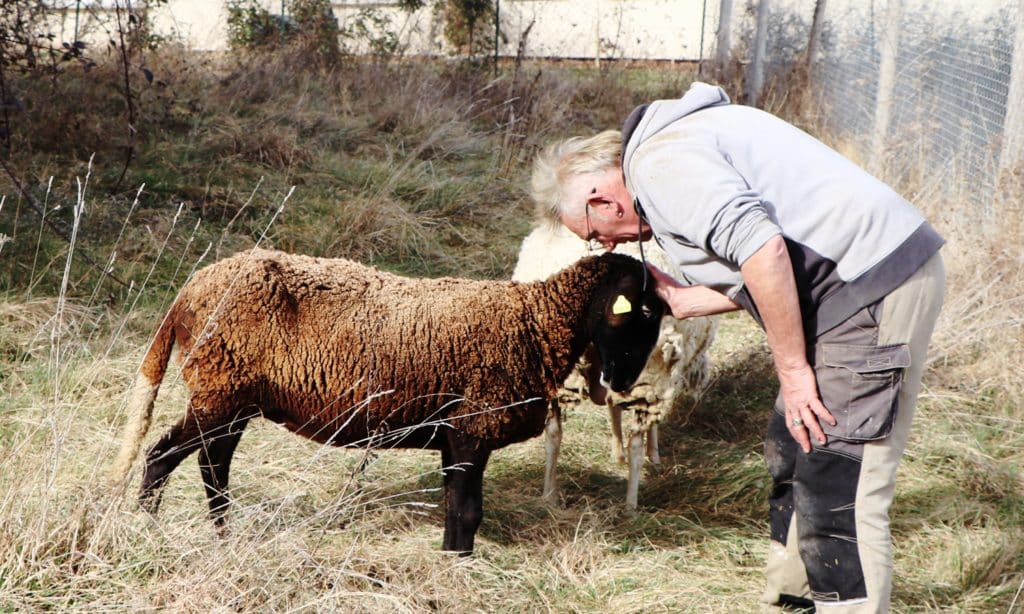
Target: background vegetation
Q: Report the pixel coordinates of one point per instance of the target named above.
(126, 170)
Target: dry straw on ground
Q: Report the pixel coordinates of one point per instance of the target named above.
(327, 529)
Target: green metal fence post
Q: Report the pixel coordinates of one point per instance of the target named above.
(78, 8)
(497, 33)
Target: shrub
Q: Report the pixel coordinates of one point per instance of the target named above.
(252, 26)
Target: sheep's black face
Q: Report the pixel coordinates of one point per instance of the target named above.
(626, 329)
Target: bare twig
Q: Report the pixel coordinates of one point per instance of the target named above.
(5, 138)
(57, 226)
(129, 153)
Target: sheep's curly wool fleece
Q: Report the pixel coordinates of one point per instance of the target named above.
(678, 368)
(338, 351)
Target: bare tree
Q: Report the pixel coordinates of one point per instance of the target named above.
(755, 78)
(814, 39)
(1011, 157)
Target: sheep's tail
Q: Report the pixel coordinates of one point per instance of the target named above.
(143, 395)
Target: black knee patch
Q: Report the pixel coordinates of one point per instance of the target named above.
(824, 495)
(780, 452)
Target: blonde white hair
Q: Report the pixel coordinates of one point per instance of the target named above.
(560, 162)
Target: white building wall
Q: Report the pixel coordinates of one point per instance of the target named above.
(633, 29)
(199, 24)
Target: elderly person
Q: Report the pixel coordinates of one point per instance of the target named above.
(842, 273)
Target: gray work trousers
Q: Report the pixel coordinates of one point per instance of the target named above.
(830, 508)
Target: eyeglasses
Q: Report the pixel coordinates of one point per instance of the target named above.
(593, 245)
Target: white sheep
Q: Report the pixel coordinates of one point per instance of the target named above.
(675, 374)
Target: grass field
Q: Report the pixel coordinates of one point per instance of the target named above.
(421, 169)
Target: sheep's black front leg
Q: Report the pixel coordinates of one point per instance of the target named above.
(463, 497)
(215, 465)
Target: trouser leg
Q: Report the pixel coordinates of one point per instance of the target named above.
(786, 579)
(908, 316)
(841, 493)
(813, 551)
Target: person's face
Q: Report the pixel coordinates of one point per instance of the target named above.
(607, 216)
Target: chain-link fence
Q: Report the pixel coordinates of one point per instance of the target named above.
(949, 97)
(919, 90)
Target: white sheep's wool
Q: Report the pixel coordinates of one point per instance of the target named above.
(676, 372)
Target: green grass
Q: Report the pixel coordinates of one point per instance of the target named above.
(422, 169)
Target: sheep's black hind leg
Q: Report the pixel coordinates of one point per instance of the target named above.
(165, 455)
(215, 464)
(206, 413)
(463, 497)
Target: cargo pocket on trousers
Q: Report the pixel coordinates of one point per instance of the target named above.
(860, 386)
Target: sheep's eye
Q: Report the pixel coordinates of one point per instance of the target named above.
(646, 311)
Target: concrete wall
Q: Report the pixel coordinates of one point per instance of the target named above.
(201, 24)
(635, 29)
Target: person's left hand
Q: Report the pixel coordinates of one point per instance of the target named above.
(804, 408)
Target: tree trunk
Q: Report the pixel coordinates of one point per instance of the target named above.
(755, 78)
(814, 39)
(723, 42)
(888, 49)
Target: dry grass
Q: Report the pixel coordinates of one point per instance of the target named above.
(310, 530)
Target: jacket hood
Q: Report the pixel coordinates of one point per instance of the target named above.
(647, 120)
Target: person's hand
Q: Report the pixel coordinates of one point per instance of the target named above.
(665, 287)
(689, 301)
(804, 409)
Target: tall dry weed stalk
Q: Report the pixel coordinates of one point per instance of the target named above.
(980, 335)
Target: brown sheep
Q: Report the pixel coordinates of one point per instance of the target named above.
(351, 356)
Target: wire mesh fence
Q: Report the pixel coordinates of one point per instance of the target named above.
(939, 109)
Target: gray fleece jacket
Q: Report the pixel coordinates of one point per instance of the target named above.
(716, 180)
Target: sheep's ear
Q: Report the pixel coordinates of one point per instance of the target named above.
(621, 305)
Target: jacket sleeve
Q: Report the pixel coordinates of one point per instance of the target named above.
(697, 195)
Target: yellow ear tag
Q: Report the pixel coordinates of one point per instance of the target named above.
(621, 305)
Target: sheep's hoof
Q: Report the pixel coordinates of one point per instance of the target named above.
(149, 503)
